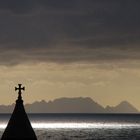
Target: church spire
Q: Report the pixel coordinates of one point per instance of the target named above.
(19, 126)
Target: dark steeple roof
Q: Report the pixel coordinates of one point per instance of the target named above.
(19, 126)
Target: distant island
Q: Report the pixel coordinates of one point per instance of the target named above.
(72, 105)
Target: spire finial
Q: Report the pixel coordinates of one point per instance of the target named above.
(19, 88)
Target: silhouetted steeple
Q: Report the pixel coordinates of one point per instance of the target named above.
(19, 126)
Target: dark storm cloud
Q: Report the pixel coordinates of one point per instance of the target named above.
(69, 30)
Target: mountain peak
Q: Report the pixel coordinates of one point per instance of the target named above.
(124, 103)
(122, 107)
(73, 105)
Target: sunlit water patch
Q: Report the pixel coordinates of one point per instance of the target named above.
(74, 125)
(82, 126)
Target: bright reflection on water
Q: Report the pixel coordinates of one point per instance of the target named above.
(76, 121)
(83, 125)
(71, 125)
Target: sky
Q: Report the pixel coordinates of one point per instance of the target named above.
(70, 48)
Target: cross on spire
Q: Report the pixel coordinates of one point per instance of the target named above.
(19, 88)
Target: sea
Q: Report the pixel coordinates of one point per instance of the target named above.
(82, 126)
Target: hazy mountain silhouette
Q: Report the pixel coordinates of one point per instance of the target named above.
(66, 105)
(72, 105)
(7, 108)
(123, 107)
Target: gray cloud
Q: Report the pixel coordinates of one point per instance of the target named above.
(68, 31)
(116, 56)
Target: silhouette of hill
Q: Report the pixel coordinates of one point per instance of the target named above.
(123, 107)
(6, 108)
(72, 105)
(66, 105)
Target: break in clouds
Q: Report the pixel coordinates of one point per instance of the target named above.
(69, 31)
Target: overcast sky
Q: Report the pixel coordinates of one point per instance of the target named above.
(68, 48)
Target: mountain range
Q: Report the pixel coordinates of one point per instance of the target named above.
(72, 105)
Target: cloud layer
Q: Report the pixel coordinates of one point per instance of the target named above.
(68, 31)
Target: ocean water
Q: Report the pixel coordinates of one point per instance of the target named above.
(82, 126)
